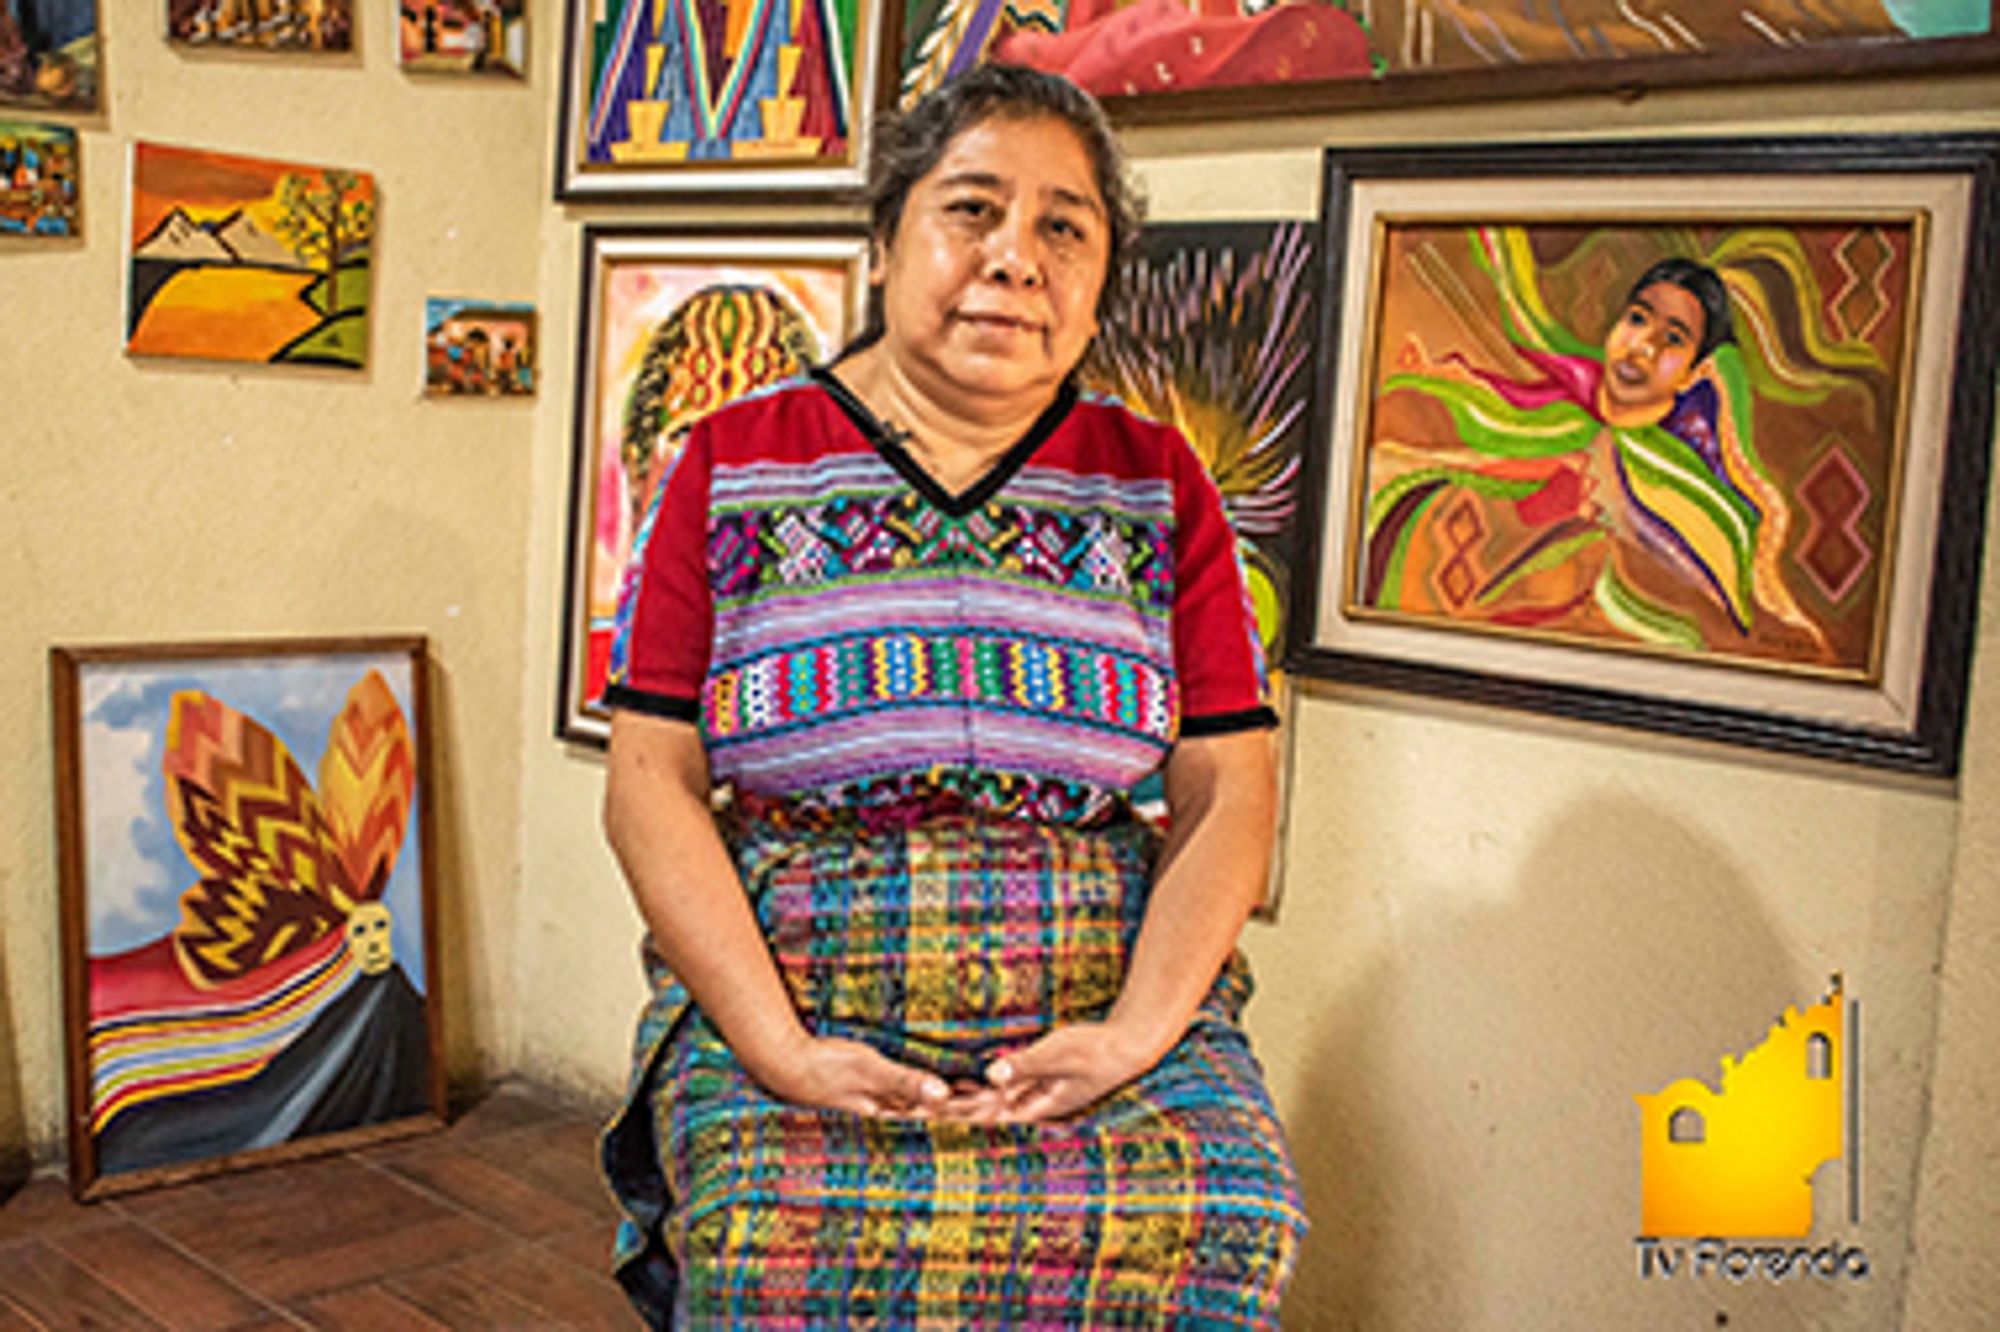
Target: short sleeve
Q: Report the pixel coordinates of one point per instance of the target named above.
(666, 611)
(1217, 657)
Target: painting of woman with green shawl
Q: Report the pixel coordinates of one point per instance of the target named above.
(1677, 439)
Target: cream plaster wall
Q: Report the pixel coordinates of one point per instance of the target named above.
(162, 500)
(1495, 930)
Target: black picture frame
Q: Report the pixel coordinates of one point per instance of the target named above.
(1907, 710)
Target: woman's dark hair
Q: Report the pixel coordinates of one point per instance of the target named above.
(912, 142)
(1706, 286)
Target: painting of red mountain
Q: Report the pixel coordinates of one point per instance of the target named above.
(246, 259)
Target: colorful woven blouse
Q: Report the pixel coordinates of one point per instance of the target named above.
(850, 636)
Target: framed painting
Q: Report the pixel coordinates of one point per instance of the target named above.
(272, 25)
(248, 259)
(1214, 335)
(1160, 60)
(478, 347)
(49, 54)
(670, 97)
(1691, 436)
(38, 180)
(247, 906)
(464, 36)
(676, 323)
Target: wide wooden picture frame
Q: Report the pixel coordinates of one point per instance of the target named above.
(1535, 485)
(247, 903)
(658, 101)
(1157, 62)
(675, 322)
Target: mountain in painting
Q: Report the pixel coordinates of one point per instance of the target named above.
(234, 239)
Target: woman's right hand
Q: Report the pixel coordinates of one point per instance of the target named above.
(837, 1074)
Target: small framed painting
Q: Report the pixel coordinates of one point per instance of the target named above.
(1690, 436)
(49, 54)
(38, 180)
(676, 323)
(247, 910)
(478, 347)
(758, 98)
(248, 259)
(464, 36)
(272, 25)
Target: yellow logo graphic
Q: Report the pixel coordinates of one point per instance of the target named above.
(1740, 1161)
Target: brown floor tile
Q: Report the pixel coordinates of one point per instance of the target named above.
(561, 1293)
(319, 1226)
(51, 1292)
(588, 1247)
(43, 1207)
(504, 1109)
(486, 1190)
(172, 1288)
(464, 1296)
(365, 1309)
(560, 1157)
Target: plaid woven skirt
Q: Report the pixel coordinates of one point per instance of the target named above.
(1171, 1203)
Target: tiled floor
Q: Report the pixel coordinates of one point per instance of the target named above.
(497, 1222)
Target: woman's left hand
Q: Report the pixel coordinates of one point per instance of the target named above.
(1068, 1070)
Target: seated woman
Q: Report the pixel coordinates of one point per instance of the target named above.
(941, 1034)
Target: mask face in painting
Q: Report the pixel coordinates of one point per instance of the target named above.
(368, 938)
(1649, 355)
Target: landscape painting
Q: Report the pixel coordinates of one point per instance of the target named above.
(287, 25)
(48, 53)
(38, 179)
(1155, 49)
(750, 95)
(246, 259)
(464, 36)
(246, 908)
(478, 347)
(676, 325)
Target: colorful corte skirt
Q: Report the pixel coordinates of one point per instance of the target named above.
(1171, 1203)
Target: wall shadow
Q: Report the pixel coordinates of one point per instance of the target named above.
(1467, 1126)
(16, 1161)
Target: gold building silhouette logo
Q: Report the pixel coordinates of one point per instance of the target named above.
(1740, 1161)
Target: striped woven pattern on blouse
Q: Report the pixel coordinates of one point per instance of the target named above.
(1032, 634)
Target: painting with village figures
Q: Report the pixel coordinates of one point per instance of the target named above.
(287, 25)
(464, 36)
(38, 195)
(478, 347)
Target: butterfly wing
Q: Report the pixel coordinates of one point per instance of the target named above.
(366, 780)
(249, 822)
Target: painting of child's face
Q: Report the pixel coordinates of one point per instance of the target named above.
(1651, 353)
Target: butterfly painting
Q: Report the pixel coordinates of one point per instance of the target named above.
(253, 951)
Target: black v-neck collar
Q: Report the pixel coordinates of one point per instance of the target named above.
(890, 445)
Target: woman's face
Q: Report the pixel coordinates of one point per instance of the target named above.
(990, 285)
(1649, 357)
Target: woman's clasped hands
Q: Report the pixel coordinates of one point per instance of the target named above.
(1057, 1075)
